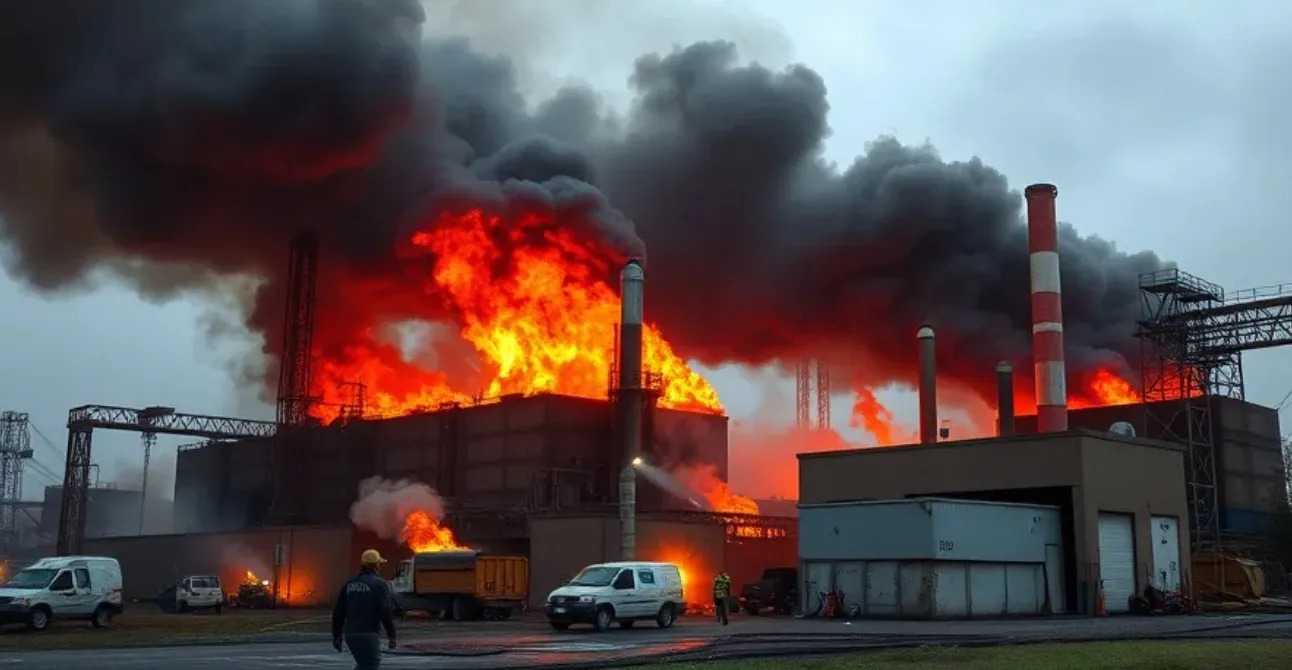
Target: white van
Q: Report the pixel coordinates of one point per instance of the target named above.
(64, 587)
(624, 592)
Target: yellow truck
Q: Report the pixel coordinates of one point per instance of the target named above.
(461, 585)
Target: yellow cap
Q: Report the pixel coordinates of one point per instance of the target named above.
(371, 557)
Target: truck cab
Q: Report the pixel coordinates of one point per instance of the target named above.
(776, 589)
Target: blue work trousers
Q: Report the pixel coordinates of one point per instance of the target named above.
(366, 650)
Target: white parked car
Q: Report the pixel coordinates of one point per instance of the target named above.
(63, 587)
(199, 592)
(618, 592)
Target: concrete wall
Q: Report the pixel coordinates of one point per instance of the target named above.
(1130, 479)
(562, 545)
(1100, 472)
(316, 560)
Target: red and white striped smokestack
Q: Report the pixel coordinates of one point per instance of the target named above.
(1047, 310)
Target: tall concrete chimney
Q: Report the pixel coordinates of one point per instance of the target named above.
(928, 386)
(1050, 373)
(630, 400)
(1004, 400)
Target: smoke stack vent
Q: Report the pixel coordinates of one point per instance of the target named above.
(928, 386)
(1047, 310)
(1004, 400)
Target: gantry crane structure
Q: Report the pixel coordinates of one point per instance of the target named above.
(81, 422)
(812, 382)
(15, 449)
(1193, 335)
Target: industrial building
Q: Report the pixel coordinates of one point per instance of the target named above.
(1111, 493)
(110, 512)
(1054, 516)
(540, 452)
(1250, 475)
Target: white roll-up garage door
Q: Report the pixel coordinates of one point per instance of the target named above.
(1117, 560)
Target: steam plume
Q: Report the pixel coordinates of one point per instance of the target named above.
(384, 506)
(177, 141)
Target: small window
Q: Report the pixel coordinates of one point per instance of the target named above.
(82, 578)
(201, 583)
(63, 582)
(625, 580)
(646, 576)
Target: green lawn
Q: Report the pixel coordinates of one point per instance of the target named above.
(135, 628)
(1233, 655)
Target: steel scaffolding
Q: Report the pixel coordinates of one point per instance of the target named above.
(1192, 336)
(812, 386)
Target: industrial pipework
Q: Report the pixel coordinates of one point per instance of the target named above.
(628, 511)
(1004, 399)
(928, 386)
(1050, 373)
(630, 401)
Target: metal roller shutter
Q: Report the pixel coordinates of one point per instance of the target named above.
(1117, 560)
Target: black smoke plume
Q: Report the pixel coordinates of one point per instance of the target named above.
(176, 141)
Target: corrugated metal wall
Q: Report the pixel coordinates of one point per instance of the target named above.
(316, 560)
(934, 558)
(928, 589)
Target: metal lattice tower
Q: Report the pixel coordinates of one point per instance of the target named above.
(812, 382)
(15, 447)
(296, 357)
(1193, 335)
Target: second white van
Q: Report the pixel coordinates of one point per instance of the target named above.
(625, 593)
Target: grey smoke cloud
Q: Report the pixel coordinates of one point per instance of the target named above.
(384, 505)
(181, 140)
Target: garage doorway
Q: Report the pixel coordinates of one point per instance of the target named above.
(1117, 560)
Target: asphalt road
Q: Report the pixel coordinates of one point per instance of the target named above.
(529, 647)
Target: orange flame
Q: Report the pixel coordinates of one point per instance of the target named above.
(424, 534)
(535, 304)
(1104, 388)
(690, 565)
(251, 578)
(704, 480)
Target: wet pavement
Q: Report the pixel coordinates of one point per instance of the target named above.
(530, 644)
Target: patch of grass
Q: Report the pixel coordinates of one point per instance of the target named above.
(1193, 655)
(142, 628)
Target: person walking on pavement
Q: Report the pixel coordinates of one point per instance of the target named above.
(721, 591)
(363, 606)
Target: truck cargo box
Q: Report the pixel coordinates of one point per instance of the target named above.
(470, 573)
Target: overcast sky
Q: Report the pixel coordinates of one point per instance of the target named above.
(1162, 123)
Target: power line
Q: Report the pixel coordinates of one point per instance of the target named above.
(62, 456)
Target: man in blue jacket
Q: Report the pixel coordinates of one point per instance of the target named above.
(363, 606)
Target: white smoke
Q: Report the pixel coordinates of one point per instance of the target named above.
(383, 505)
